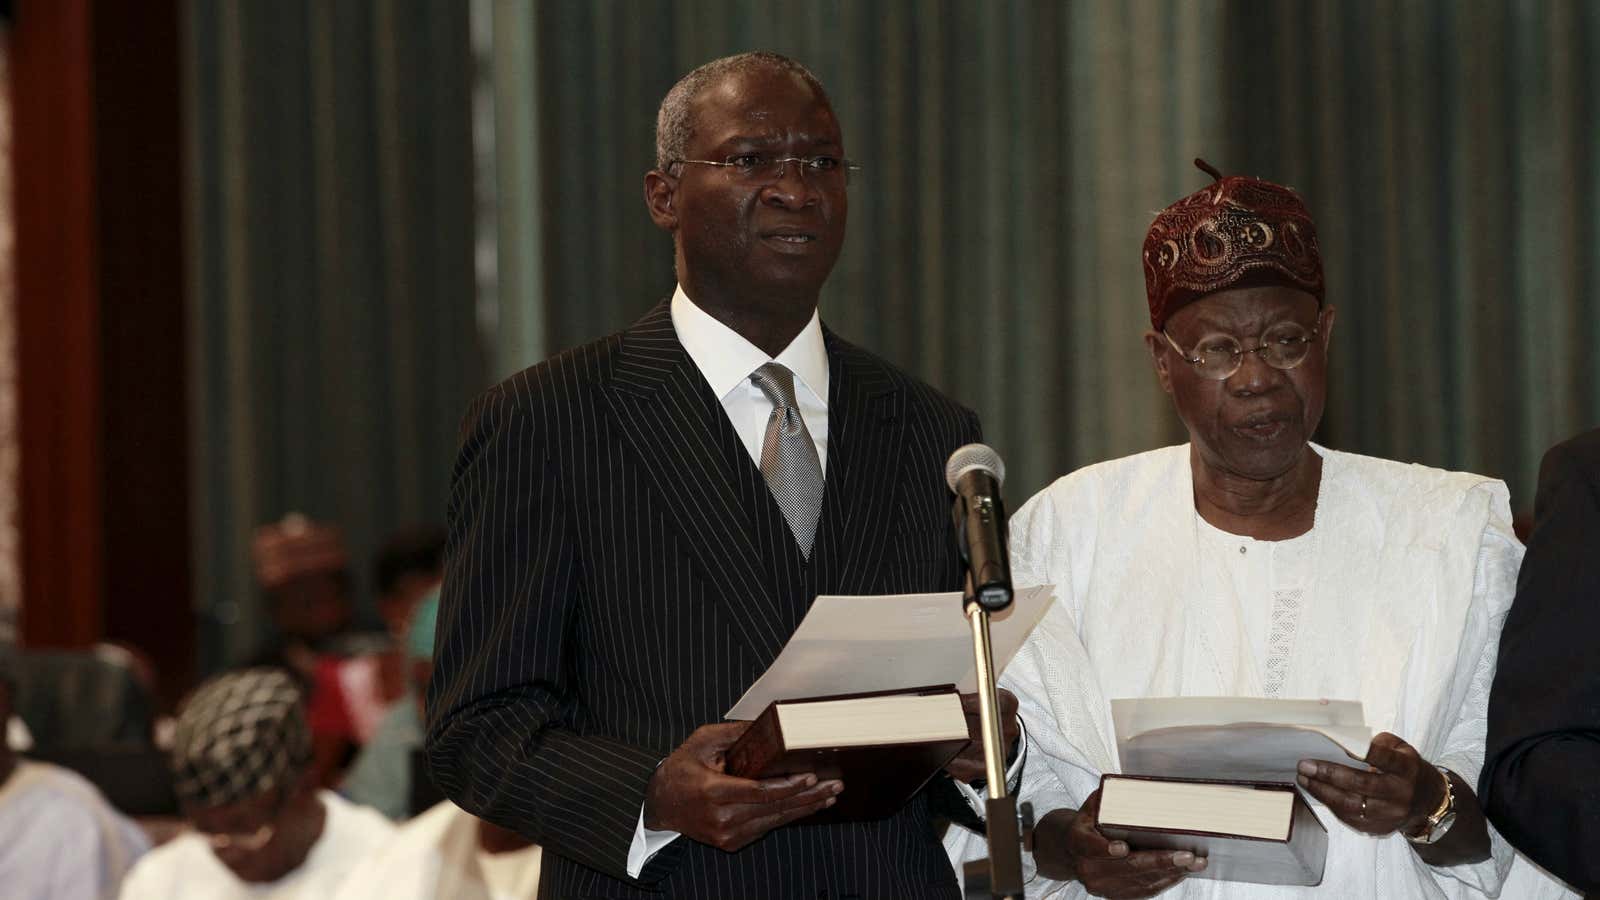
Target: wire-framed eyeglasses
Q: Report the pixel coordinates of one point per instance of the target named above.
(1217, 356)
(761, 168)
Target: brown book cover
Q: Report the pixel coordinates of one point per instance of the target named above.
(878, 779)
(1298, 860)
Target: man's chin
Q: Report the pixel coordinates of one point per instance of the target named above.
(1264, 461)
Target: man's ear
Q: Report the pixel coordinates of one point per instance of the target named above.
(1326, 327)
(1157, 345)
(659, 191)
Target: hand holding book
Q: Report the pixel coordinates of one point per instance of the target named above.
(1068, 845)
(690, 793)
(1402, 792)
(969, 766)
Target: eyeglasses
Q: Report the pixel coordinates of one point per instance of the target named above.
(758, 168)
(1217, 356)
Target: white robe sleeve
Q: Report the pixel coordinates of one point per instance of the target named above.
(1057, 695)
(1493, 588)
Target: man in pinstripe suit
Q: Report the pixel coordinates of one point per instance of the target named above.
(620, 571)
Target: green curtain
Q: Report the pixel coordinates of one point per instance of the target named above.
(1012, 153)
(1015, 153)
(1450, 153)
(333, 335)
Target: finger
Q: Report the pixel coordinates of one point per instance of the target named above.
(1363, 813)
(1389, 753)
(810, 797)
(714, 738)
(1159, 863)
(727, 789)
(1155, 884)
(761, 824)
(1334, 798)
(1085, 841)
(1343, 777)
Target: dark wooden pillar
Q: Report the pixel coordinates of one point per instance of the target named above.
(97, 140)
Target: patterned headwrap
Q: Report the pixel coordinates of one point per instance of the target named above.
(1238, 232)
(295, 547)
(239, 735)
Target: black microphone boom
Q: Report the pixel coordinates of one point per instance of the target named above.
(975, 473)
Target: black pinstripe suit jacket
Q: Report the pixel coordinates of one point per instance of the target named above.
(618, 574)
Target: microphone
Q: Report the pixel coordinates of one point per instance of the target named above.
(974, 473)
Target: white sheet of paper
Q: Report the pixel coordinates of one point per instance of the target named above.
(850, 645)
(1242, 738)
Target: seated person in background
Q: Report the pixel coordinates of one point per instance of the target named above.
(59, 838)
(381, 775)
(303, 568)
(409, 567)
(261, 828)
(1251, 562)
(1540, 782)
(446, 851)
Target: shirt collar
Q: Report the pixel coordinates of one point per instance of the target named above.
(727, 359)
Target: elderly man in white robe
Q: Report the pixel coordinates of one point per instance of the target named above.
(259, 827)
(1251, 562)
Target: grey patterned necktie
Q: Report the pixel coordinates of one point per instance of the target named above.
(789, 457)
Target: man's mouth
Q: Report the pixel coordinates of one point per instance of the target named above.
(792, 236)
(1263, 426)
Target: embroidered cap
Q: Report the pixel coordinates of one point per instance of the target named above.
(1237, 232)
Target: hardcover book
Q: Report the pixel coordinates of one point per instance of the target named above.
(883, 746)
(1258, 832)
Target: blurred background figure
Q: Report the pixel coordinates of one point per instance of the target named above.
(382, 775)
(445, 851)
(59, 838)
(303, 570)
(241, 756)
(448, 852)
(409, 565)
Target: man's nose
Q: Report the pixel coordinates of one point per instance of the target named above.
(790, 189)
(1255, 376)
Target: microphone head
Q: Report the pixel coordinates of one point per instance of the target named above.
(974, 456)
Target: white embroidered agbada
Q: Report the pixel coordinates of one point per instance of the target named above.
(1410, 573)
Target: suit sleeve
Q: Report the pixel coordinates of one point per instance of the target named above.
(1538, 783)
(500, 703)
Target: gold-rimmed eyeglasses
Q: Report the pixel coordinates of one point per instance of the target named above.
(760, 168)
(1217, 356)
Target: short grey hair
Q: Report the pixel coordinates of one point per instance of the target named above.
(675, 119)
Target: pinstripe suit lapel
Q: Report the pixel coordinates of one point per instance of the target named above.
(865, 438)
(681, 437)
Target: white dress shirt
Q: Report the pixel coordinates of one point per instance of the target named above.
(727, 361)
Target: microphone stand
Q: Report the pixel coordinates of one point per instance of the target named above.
(999, 875)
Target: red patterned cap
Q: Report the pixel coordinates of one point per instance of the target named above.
(1238, 232)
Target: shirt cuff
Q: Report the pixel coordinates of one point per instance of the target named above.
(646, 843)
(977, 799)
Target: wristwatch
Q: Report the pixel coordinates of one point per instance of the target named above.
(1442, 818)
